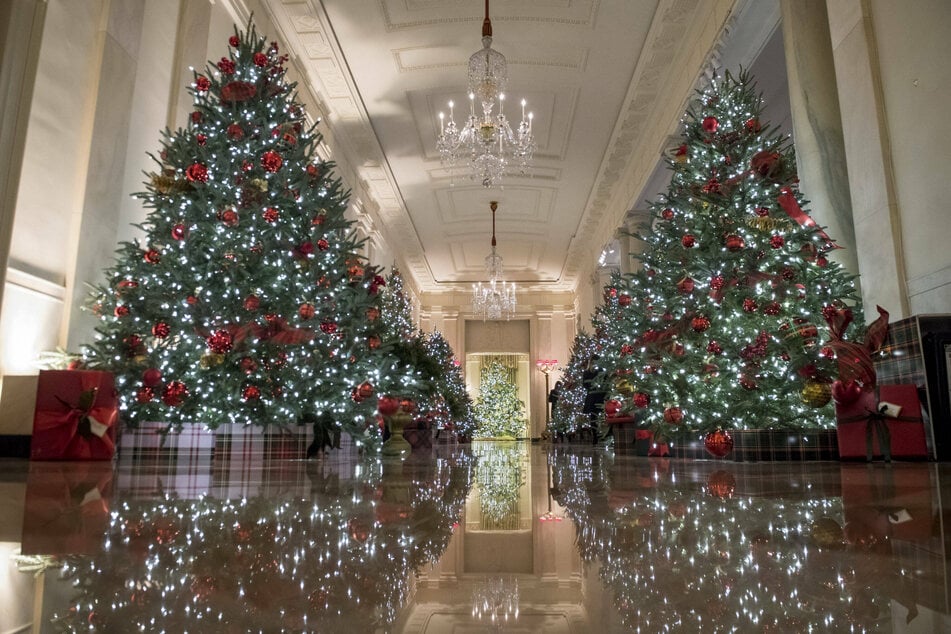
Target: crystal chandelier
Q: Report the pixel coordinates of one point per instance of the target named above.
(495, 298)
(487, 143)
(496, 601)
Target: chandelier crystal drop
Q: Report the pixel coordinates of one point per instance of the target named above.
(496, 601)
(495, 298)
(486, 143)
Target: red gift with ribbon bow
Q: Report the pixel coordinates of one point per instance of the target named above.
(77, 412)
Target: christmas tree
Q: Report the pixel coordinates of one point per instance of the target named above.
(720, 327)
(452, 407)
(567, 416)
(246, 300)
(397, 309)
(499, 412)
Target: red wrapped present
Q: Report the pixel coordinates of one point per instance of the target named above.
(645, 445)
(896, 503)
(67, 508)
(77, 412)
(882, 423)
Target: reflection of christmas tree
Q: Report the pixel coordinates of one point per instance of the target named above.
(499, 479)
(499, 412)
(566, 416)
(336, 561)
(720, 327)
(246, 300)
(689, 557)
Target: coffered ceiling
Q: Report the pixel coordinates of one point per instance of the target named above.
(606, 80)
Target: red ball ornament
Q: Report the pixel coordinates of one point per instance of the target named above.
(641, 400)
(685, 285)
(714, 348)
(270, 214)
(626, 349)
(846, 392)
(179, 231)
(144, 394)
(750, 305)
(700, 323)
(718, 443)
(271, 161)
(667, 214)
(191, 300)
(822, 262)
(174, 393)
(121, 310)
(234, 41)
(220, 341)
(710, 125)
(235, 132)
(202, 84)
(196, 117)
(372, 313)
(151, 377)
(229, 217)
(161, 330)
(734, 242)
(651, 272)
(322, 244)
(788, 273)
(624, 300)
(201, 139)
(777, 242)
(307, 311)
(328, 327)
(259, 59)
(247, 365)
(197, 173)
(772, 308)
(753, 125)
(689, 241)
(387, 405)
(673, 416)
(152, 256)
(365, 389)
(252, 303)
(312, 170)
(721, 484)
(717, 282)
(612, 407)
(373, 342)
(251, 393)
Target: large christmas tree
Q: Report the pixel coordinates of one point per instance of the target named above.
(721, 327)
(499, 413)
(246, 300)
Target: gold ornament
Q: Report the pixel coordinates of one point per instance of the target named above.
(211, 360)
(768, 225)
(259, 184)
(168, 184)
(816, 393)
(624, 387)
(826, 532)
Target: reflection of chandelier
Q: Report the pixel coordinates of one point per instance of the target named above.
(496, 600)
(495, 298)
(488, 143)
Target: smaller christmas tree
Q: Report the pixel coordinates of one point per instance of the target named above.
(451, 409)
(567, 416)
(499, 412)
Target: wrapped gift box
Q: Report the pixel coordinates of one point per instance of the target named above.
(861, 429)
(900, 501)
(77, 412)
(67, 508)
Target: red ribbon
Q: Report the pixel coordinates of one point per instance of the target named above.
(855, 359)
(68, 433)
(787, 200)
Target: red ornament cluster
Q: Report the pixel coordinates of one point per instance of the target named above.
(220, 341)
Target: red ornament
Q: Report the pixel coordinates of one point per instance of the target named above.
(318, 220)
(179, 232)
(685, 285)
(202, 84)
(714, 348)
(624, 300)
(673, 416)
(196, 117)
(387, 405)
(753, 125)
(689, 241)
(762, 212)
(822, 262)
(235, 132)
(772, 308)
(678, 349)
(651, 272)
(667, 214)
(748, 383)
(121, 310)
(717, 282)
(712, 186)
(312, 170)
(144, 395)
(237, 92)
(700, 323)
(226, 66)
(373, 342)
(270, 214)
(372, 313)
(846, 392)
(328, 327)
(767, 164)
(259, 59)
(710, 125)
(322, 244)
(252, 303)
(234, 41)
(152, 256)
(251, 393)
(307, 311)
(271, 161)
(197, 172)
(641, 400)
(174, 393)
(718, 443)
(161, 330)
(151, 377)
(229, 217)
(612, 407)
(734, 242)
(220, 341)
(305, 248)
(777, 242)
(721, 484)
(365, 389)
(408, 405)
(827, 352)
(201, 139)
(750, 305)
(191, 300)
(626, 349)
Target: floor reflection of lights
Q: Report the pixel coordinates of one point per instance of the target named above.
(576, 540)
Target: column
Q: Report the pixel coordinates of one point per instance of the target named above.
(817, 122)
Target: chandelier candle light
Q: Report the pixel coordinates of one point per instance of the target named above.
(488, 144)
(495, 298)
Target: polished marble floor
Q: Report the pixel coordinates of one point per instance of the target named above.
(489, 537)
